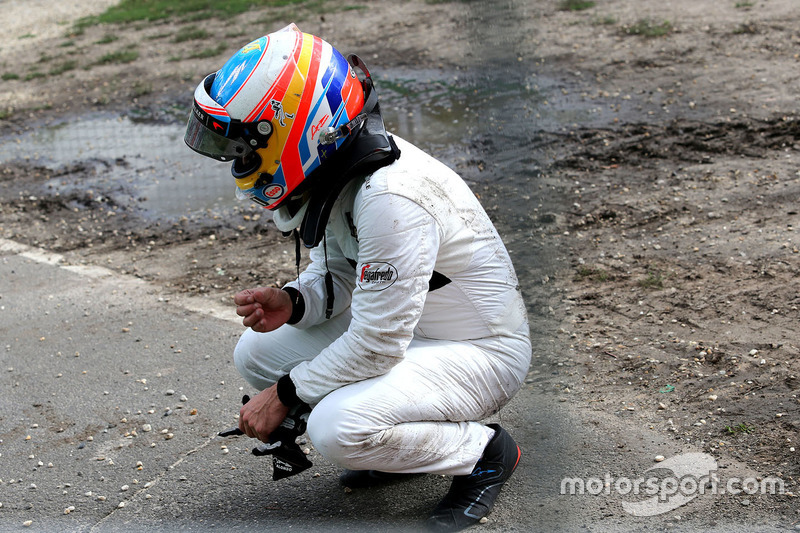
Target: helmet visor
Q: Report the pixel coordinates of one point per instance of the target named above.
(201, 138)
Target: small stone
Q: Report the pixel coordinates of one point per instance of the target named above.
(121, 505)
(101, 498)
(659, 458)
(483, 520)
(745, 502)
(124, 488)
(184, 398)
(169, 392)
(712, 397)
(147, 427)
(27, 523)
(348, 490)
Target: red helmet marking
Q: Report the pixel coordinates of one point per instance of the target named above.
(290, 162)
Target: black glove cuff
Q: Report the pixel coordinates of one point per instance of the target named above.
(298, 305)
(287, 392)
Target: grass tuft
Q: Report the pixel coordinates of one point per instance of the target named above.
(66, 66)
(190, 33)
(597, 275)
(654, 280)
(740, 428)
(649, 28)
(120, 56)
(576, 5)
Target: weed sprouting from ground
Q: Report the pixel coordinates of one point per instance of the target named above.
(739, 429)
(648, 28)
(597, 275)
(653, 280)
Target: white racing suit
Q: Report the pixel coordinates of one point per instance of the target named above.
(400, 374)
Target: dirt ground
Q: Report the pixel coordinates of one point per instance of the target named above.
(668, 291)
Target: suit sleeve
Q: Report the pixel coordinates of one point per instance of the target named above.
(398, 244)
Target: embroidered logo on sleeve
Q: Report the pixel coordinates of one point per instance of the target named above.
(376, 276)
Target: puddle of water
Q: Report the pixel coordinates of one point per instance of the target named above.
(143, 162)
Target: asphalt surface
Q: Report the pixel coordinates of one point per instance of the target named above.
(112, 395)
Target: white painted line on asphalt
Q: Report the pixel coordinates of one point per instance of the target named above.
(11, 246)
(92, 271)
(194, 304)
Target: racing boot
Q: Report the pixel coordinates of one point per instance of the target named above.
(472, 496)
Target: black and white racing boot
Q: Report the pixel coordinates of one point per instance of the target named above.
(471, 497)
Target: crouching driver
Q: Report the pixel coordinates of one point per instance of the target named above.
(408, 326)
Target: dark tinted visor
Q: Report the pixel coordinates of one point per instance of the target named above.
(202, 139)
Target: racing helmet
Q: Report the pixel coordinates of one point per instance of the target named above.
(278, 109)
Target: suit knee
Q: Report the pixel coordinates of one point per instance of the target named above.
(341, 437)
